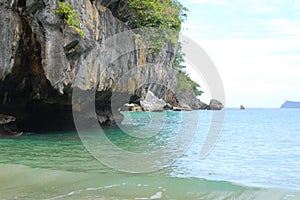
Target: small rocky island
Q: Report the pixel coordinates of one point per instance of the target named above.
(291, 104)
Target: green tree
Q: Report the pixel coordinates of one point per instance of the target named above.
(165, 14)
(183, 79)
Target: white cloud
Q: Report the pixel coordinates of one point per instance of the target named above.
(195, 27)
(241, 34)
(253, 72)
(283, 26)
(264, 2)
(297, 4)
(264, 10)
(210, 2)
(258, 58)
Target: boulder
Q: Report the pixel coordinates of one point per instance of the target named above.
(182, 107)
(202, 105)
(136, 109)
(152, 103)
(6, 119)
(7, 126)
(168, 107)
(131, 107)
(215, 105)
(176, 108)
(127, 106)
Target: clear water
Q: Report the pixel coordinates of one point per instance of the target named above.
(257, 157)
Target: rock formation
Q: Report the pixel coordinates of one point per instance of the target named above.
(215, 105)
(41, 57)
(42, 61)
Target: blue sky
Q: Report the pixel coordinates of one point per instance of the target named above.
(255, 45)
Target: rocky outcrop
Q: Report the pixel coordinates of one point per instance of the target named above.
(189, 100)
(152, 103)
(215, 105)
(41, 57)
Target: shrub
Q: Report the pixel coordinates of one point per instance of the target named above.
(65, 11)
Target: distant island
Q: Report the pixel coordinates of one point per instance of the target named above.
(291, 104)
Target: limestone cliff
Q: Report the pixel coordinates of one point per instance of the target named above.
(40, 58)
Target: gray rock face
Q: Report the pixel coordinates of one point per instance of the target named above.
(40, 57)
(153, 103)
(215, 105)
(189, 98)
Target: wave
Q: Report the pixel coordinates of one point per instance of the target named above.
(19, 181)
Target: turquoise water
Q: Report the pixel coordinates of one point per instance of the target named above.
(257, 156)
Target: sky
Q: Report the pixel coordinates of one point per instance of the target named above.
(255, 46)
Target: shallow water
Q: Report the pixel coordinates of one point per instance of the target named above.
(256, 157)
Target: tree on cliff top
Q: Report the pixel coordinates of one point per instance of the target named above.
(149, 13)
(165, 14)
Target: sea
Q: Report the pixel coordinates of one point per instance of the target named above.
(248, 154)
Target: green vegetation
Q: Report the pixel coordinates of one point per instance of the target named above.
(164, 16)
(183, 80)
(65, 11)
